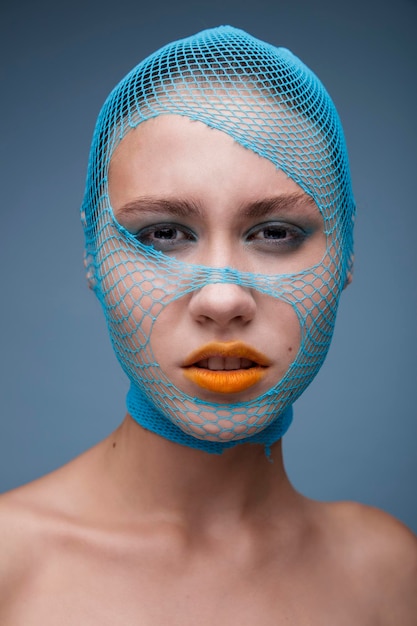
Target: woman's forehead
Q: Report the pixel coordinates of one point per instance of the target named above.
(229, 128)
(173, 157)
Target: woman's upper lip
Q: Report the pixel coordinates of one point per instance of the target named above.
(226, 349)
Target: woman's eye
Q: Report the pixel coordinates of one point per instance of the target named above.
(165, 237)
(275, 232)
(276, 236)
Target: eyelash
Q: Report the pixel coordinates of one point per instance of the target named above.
(165, 244)
(293, 236)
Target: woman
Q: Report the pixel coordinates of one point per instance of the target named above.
(218, 216)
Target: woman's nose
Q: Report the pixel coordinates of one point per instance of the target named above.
(222, 304)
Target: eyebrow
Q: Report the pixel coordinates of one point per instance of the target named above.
(278, 204)
(188, 208)
(174, 206)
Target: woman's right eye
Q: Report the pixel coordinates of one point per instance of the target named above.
(165, 237)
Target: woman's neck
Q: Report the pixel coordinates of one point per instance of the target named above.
(155, 476)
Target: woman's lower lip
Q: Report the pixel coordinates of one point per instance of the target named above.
(225, 381)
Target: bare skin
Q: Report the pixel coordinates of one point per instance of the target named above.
(139, 530)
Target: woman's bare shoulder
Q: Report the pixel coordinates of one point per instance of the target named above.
(20, 540)
(382, 553)
(370, 527)
(32, 516)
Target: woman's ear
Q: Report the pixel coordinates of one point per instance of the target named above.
(88, 261)
(91, 280)
(349, 274)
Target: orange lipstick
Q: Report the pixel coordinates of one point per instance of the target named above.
(225, 367)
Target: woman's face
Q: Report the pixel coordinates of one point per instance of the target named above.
(193, 193)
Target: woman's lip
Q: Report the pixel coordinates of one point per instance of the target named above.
(225, 349)
(226, 380)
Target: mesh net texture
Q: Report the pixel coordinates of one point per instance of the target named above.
(268, 101)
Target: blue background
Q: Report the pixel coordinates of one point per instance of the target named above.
(61, 389)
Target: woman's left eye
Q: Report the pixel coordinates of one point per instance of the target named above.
(165, 237)
(276, 235)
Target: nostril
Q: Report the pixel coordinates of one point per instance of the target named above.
(222, 304)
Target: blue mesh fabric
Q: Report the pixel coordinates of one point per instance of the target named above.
(268, 101)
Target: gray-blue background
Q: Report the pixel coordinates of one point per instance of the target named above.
(355, 429)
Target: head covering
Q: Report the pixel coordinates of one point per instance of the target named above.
(268, 101)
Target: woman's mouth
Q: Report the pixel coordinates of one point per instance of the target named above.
(225, 367)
